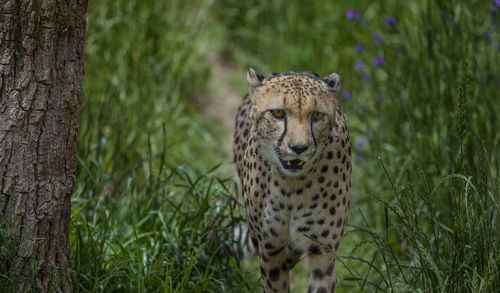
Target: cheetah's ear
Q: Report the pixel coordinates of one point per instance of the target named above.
(334, 82)
(254, 78)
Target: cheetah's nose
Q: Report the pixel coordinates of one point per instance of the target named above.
(298, 148)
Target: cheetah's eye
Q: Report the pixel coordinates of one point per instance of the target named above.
(316, 116)
(278, 113)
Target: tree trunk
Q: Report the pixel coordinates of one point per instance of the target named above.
(41, 74)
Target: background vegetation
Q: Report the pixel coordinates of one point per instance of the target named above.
(151, 210)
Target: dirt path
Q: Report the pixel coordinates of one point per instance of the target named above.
(226, 86)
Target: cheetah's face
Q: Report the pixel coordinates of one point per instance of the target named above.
(292, 117)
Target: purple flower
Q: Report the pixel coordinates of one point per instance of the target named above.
(352, 14)
(488, 36)
(390, 20)
(377, 38)
(496, 3)
(365, 77)
(359, 47)
(359, 65)
(347, 94)
(359, 158)
(378, 97)
(379, 61)
(362, 142)
(444, 13)
(494, 24)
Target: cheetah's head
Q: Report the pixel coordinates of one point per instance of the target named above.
(293, 116)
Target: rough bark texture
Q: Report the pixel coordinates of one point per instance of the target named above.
(41, 73)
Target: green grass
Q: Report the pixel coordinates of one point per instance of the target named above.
(164, 236)
(147, 212)
(150, 213)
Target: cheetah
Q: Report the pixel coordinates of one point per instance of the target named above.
(293, 157)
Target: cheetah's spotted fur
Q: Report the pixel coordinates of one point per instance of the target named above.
(295, 169)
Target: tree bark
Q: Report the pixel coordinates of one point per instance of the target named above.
(41, 74)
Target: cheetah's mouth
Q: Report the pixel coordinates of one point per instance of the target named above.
(292, 164)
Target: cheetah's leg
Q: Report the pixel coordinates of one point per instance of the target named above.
(323, 277)
(274, 269)
(292, 256)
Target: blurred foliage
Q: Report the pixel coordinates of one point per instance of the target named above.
(144, 67)
(420, 96)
